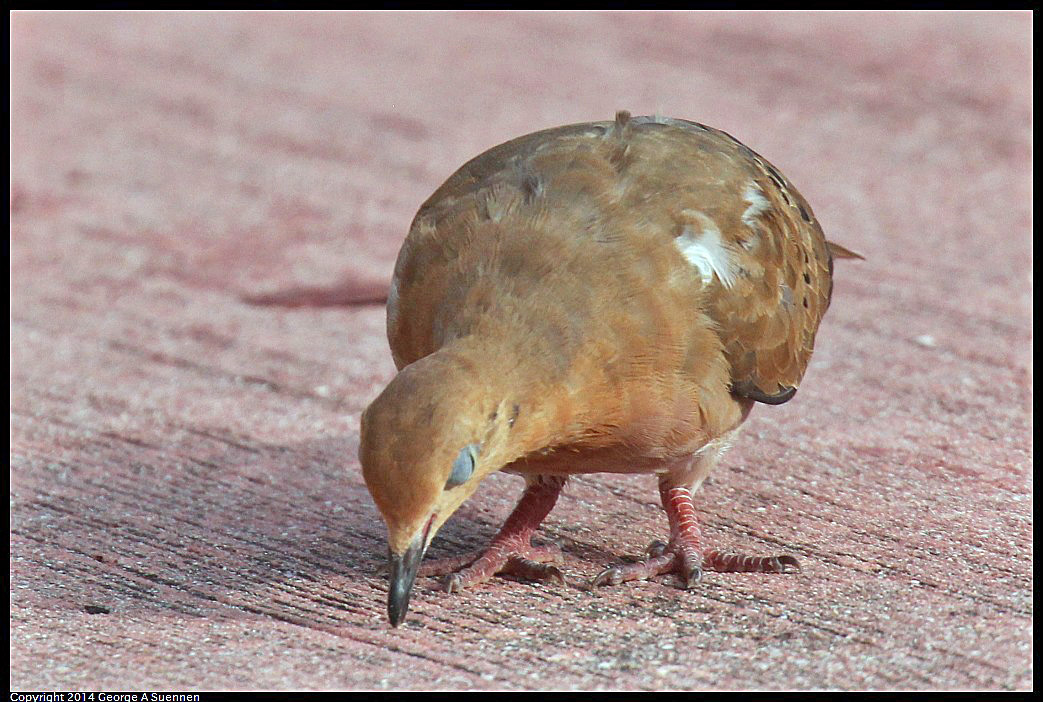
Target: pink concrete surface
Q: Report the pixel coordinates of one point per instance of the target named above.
(187, 509)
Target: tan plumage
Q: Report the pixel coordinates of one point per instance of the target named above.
(610, 296)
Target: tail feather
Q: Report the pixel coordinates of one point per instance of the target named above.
(838, 251)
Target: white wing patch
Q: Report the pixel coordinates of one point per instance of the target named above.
(705, 250)
(758, 205)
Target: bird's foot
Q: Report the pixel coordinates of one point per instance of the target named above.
(511, 551)
(527, 562)
(687, 561)
(684, 554)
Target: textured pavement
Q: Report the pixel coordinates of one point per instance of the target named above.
(187, 509)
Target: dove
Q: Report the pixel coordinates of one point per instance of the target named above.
(601, 297)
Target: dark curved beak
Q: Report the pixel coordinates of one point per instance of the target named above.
(403, 572)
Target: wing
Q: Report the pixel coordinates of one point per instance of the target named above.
(768, 310)
(764, 264)
(766, 267)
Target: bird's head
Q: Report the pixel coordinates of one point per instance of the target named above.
(426, 443)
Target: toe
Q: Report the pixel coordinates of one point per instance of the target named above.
(529, 569)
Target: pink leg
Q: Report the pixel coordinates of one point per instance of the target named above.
(684, 554)
(511, 550)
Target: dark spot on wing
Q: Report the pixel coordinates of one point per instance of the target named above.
(531, 187)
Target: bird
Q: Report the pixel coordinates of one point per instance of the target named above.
(608, 296)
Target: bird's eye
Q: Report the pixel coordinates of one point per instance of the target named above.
(463, 466)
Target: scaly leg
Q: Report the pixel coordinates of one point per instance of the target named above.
(684, 554)
(511, 551)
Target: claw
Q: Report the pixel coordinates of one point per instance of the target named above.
(693, 576)
(609, 576)
(555, 575)
(454, 583)
(656, 548)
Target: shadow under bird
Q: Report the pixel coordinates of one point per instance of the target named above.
(601, 297)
